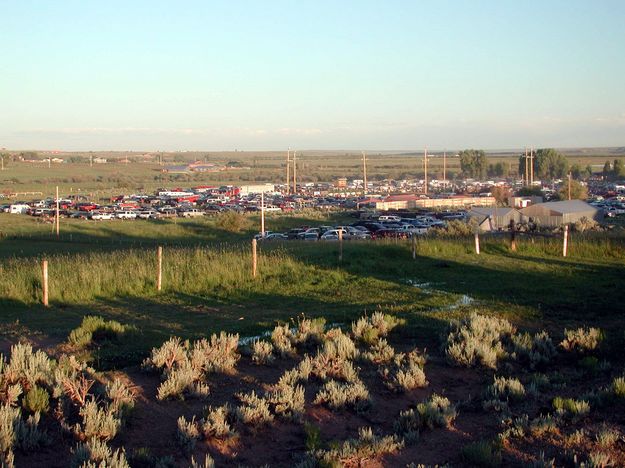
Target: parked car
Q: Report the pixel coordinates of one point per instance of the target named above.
(392, 218)
(275, 236)
(148, 214)
(126, 214)
(310, 236)
(190, 213)
(100, 215)
(293, 233)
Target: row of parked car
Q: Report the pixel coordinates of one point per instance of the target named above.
(383, 227)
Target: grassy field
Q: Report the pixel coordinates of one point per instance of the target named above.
(105, 180)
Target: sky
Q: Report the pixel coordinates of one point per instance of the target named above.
(311, 74)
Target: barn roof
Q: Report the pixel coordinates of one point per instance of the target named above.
(567, 206)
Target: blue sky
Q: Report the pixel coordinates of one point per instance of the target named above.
(255, 75)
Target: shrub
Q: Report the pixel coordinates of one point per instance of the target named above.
(218, 422)
(504, 388)
(477, 339)
(217, 355)
(177, 382)
(232, 221)
(96, 453)
(571, 407)
(339, 346)
(187, 434)
(100, 423)
(607, 437)
(599, 460)
(96, 329)
(536, 350)
(482, 453)
(254, 409)
(288, 401)
(281, 339)
(582, 340)
(406, 373)
(356, 451)
(340, 395)
(618, 387)
(369, 329)
(262, 352)
(28, 367)
(36, 400)
(437, 411)
(380, 353)
(208, 462)
(309, 331)
(543, 424)
(171, 353)
(122, 399)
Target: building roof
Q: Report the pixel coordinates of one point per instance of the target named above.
(567, 206)
(486, 211)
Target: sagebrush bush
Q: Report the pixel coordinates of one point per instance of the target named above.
(207, 463)
(437, 411)
(97, 422)
(477, 339)
(287, 401)
(506, 388)
(96, 453)
(262, 352)
(309, 331)
(543, 424)
(36, 400)
(217, 355)
(187, 434)
(28, 367)
(281, 337)
(370, 329)
(96, 329)
(571, 407)
(218, 422)
(177, 382)
(618, 387)
(406, 373)
(537, 350)
(606, 436)
(356, 451)
(254, 410)
(338, 395)
(122, 399)
(482, 453)
(582, 340)
(380, 352)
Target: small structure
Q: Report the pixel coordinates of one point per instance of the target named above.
(341, 182)
(524, 202)
(554, 214)
(257, 188)
(494, 219)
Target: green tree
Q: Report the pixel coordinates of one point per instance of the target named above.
(578, 191)
(548, 164)
(530, 192)
(607, 169)
(473, 163)
(588, 170)
(576, 171)
(618, 171)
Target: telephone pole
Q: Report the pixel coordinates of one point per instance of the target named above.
(294, 172)
(90, 160)
(57, 220)
(425, 165)
(526, 175)
(288, 171)
(364, 167)
(445, 167)
(569, 186)
(532, 166)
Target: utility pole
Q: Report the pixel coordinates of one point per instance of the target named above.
(532, 166)
(288, 171)
(262, 214)
(90, 160)
(425, 165)
(569, 185)
(525, 177)
(57, 212)
(364, 167)
(294, 172)
(445, 167)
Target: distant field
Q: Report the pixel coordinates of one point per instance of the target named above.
(104, 180)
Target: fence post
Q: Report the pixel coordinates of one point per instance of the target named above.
(512, 235)
(254, 258)
(477, 243)
(44, 268)
(340, 245)
(414, 247)
(565, 241)
(159, 273)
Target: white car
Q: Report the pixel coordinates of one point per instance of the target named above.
(125, 214)
(148, 214)
(395, 219)
(333, 234)
(99, 215)
(410, 229)
(192, 213)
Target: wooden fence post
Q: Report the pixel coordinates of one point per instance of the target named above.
(512, 235)
(340, 245)
(477, 243)
(254, 258)
(44, 268)
(565, 241)
(159, 273)
(414, 247)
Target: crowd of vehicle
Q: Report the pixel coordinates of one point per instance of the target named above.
(380, 227)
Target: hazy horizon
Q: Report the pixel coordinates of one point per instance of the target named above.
(158, 76)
